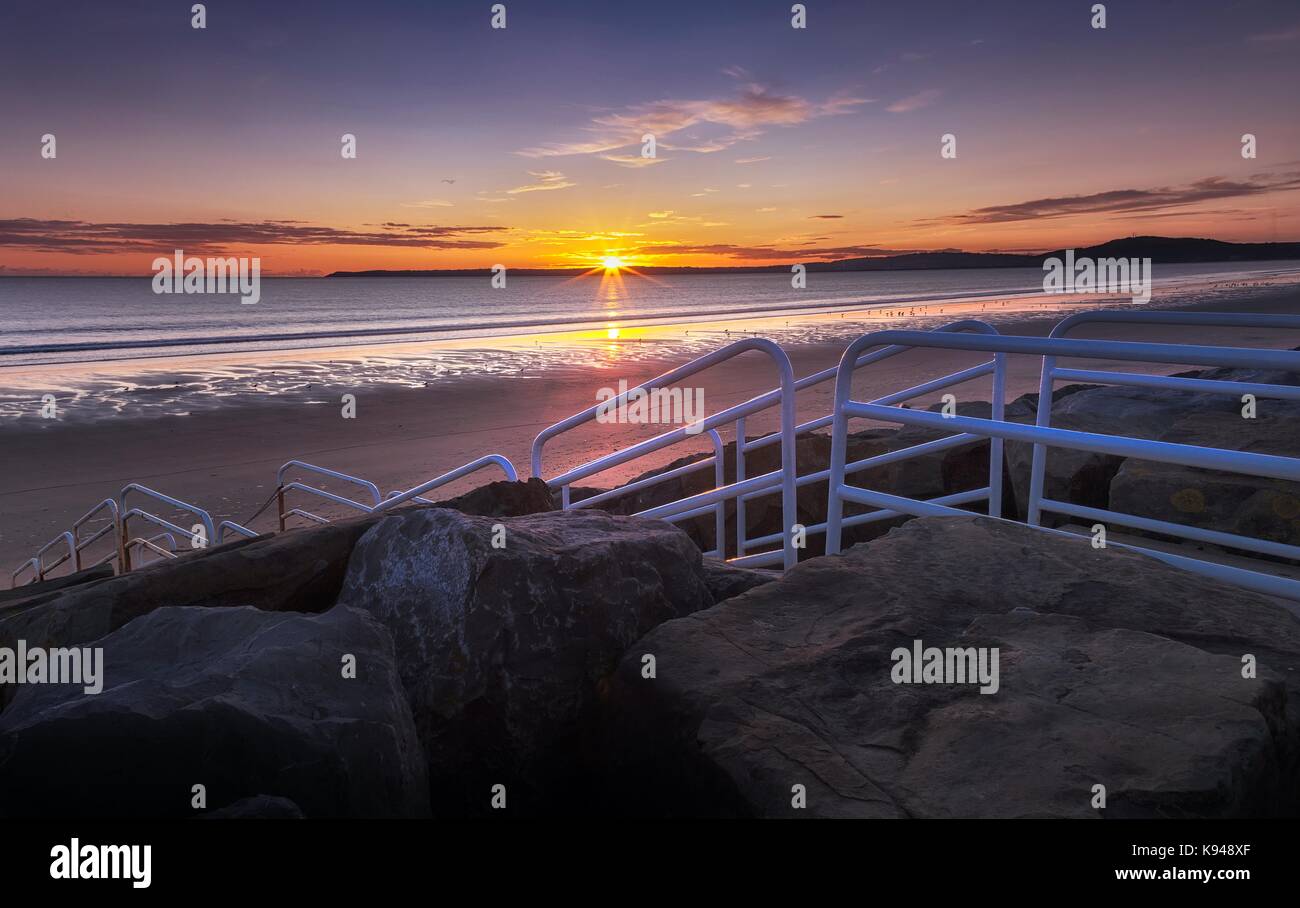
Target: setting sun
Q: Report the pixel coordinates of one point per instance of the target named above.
(612, 262)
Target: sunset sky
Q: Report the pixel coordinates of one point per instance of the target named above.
(774, 144)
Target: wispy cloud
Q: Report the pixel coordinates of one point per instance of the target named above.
(824, 217)
(546, 180)
(1286, 34)
(1129, 200)
(915, 102)
(753, 160)
(743, 116)
(428, 203)
(90, 238)
(768, 253)
(632, 160)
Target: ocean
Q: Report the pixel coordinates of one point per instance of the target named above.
(69, 320)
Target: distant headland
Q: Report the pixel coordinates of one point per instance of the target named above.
(1161, 250)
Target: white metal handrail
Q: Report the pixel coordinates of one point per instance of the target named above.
(1051, 374)
(1174, 318)
(119, 517)
(705, 502)
(743, 445)
(1266, 465)
(109, 506)
(760, 486)
(229, 528)
(151, 544)
(282, 487)
(124, 552)
(380, 503)
(413, 494)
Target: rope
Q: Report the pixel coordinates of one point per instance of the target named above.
(264, 506)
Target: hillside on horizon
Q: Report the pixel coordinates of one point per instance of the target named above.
(1161, 250)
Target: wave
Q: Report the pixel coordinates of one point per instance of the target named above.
(499, 328)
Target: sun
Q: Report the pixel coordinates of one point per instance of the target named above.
(612, 262)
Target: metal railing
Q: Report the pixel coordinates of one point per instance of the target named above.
(281, 487)
(414, 494)
(714, 500)
(743, 445)
(127, 542)
(767, 484)
(380, 503)
(1251, 464)
(134, 551)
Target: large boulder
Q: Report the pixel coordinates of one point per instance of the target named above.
(242, 701)
(1115, 670)
(1185, 417)
(44, 589)
(300, 570)
(502, 648)
(726, 581)
(1251, 506)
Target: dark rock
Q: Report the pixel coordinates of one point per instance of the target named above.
(726, 581)
(261, 807)
(299, 570)
(239, 700)
(502, 650)
(45, 588)
(1115, 669)
(1251, 506)
(1207, 420)
(504, 499)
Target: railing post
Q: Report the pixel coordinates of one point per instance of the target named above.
(1043, 419)
(789, 467)
(839, 452)
(740, 477)
(720, 509)
(123, 550)
(279, 499)
(996, 444)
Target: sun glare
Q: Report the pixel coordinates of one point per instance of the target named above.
(612, 262)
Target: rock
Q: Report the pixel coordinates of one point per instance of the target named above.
(502, 650)
(1228, 502)
(45, 588)
(925, 476)
(1208, 420)
(239, 700)
(299, 570)
(726, 581)
(504, 499)
(261, 807)
(1080, 477)
(1115, 669)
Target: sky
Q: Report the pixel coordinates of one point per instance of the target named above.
(523, 146)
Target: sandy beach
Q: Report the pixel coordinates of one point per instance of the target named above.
(424, 409)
